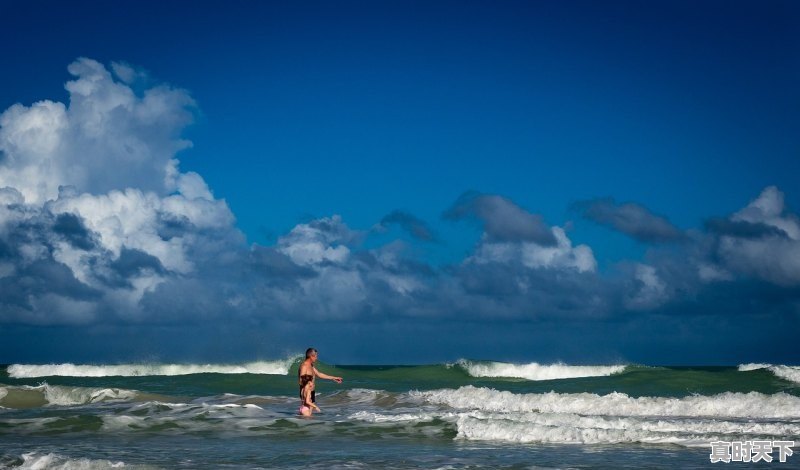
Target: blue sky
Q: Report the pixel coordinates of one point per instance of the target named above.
(401, 181)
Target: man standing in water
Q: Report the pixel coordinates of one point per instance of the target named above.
(306, 374)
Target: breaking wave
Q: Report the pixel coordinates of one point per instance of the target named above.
(575, 429)
(790, 373)
(38, 461)
(26, 396)
(587, 418)
(467, 413)
(536, 371)
(724, 405)
(18, 371)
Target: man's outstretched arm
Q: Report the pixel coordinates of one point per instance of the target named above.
(319, 374)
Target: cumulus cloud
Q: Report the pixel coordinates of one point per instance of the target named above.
(522, 268)
(342, 280)
(631, 219)
(532, 255)
(94, 203)
(512, 234)
(762, 240)
(745, 263)
(107, 137)
(647, 290)
(319, 241)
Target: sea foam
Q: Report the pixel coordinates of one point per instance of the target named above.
(18, 371)
(728, 404)
(790, 373)
(536, 371)
(588, 418)
(470, 428)
(568, 428)
(55, 461)
(60, 462)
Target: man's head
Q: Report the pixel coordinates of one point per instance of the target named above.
(311, 353)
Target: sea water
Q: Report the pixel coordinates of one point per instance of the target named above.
(468, 414)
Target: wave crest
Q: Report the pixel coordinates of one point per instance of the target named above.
(536, 371)
(20, 371)
(26, 396)
(38, 461)
(790, 373)
(728, 404)
(614, 418)
(575, 429)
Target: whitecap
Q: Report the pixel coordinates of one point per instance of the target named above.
(279, 367)
(44, 394)
(728, 404)
(37, 461)
(790, 373)
(536, 371)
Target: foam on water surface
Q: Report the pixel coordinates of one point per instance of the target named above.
(728, 404)
(53, 461)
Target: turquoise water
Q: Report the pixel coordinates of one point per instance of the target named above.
(470, 414)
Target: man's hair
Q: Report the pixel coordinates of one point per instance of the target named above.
(309, 352)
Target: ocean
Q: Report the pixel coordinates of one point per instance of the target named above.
(468, 414)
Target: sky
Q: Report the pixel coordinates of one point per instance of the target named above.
(400, 182)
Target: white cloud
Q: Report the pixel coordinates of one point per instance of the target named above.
(346, 279)
(109, 158)
(126, 73)
(338, 287)
(532, 255)
(390, 259)
(129, 219)
(30, 139)
(772, 257)
(650, 290)
(769, 208)
(107, 138)
(322, 240)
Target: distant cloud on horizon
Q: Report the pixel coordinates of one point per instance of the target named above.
(98, 224)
